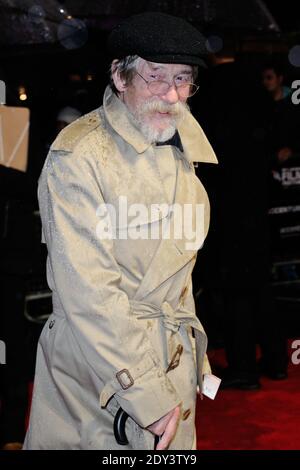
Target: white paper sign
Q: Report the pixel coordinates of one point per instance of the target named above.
(211, 385)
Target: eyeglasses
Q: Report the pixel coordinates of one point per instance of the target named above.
(160, 87)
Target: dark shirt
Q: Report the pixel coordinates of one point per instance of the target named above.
(175, 140)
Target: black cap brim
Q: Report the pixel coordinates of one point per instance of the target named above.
(176, 59)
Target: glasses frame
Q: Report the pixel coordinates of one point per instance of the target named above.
(148, 82)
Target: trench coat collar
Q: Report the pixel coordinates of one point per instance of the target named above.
(195, 144)
(122, 122)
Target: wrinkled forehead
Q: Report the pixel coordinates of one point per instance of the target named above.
(173, 69)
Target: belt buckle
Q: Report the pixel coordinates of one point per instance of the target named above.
(130, 381)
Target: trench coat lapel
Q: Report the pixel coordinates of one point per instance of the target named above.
(172, 253)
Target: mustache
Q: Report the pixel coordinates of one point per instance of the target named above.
(153, 106)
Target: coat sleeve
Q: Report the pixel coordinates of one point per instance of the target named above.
(86, 278)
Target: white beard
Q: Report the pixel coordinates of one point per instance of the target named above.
(178, 112)
(155, 135)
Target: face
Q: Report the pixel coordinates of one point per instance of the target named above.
(271, 81)
(157, 116)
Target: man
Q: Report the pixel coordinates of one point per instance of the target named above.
(283, 115)
(120, 336)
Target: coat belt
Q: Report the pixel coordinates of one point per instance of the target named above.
(172, 320)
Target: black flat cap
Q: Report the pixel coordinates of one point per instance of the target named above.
(158, 37)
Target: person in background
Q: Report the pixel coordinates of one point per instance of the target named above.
(235, 260)
(283, 115)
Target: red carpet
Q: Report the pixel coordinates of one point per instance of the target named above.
(267, 419)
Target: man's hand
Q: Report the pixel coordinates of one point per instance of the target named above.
(166, 428)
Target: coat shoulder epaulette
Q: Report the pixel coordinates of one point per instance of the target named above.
(72, 134)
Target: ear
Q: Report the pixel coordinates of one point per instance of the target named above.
(118, 81)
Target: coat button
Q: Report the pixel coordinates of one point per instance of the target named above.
(51, 324)
(186, 414)
(175, 358)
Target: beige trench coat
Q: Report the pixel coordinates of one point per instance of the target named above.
(118, 304)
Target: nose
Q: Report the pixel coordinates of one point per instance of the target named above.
(171, 96)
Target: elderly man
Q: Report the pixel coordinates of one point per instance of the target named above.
(119, 202)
